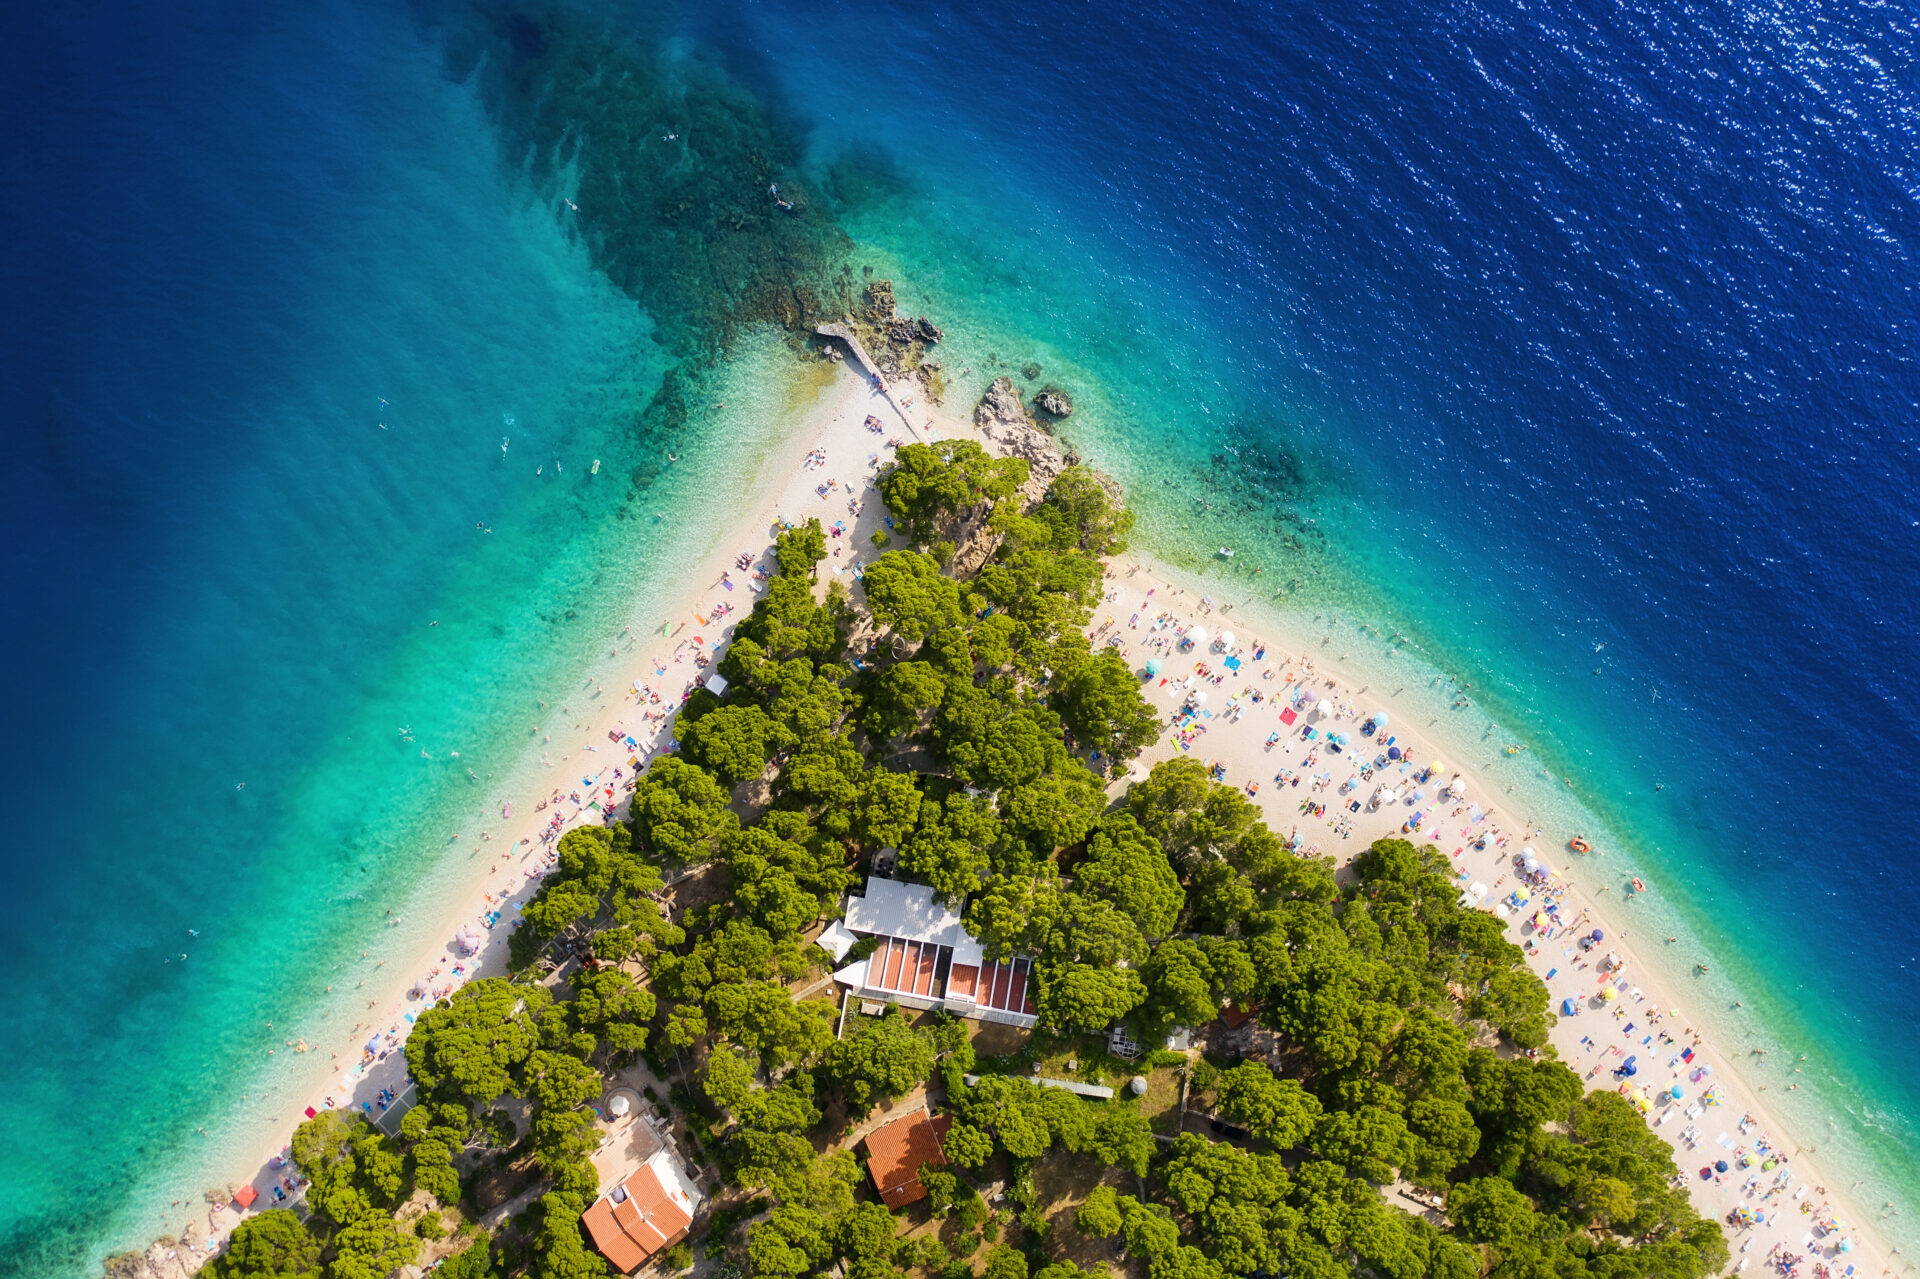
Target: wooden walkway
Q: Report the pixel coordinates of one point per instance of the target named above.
(872, 370)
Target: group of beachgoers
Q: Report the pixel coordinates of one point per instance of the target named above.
(1395, 786)
(1286, 716)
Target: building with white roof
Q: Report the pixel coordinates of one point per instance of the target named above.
(925, 958)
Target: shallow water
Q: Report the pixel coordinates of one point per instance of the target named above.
(1571, 347)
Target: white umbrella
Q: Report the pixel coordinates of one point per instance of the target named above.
(1325, 708)
(1226, 639)
(1198, 635)
(1200, 698)
(619, 1106)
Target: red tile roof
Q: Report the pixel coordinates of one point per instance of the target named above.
(643, 1221)
(897, 1151)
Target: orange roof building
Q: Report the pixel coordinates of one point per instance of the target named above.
(924, 958)
(643, 1215)
(896, 1153)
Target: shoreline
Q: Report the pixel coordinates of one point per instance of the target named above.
(1574, 1038)
(516, 857)
(1583, 896)
(783, 484)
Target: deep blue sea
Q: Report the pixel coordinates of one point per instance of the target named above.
(1567, 349)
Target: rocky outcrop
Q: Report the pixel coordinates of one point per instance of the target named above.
(898, 343)
(903, 332)
(1003, 419)
(1053, 402)
(1001, 407)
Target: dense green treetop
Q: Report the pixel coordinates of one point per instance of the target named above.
(1126, 866)
(680, 812)
(911, 595)
(1099, 699)
(272, 1245)
(933, 488)
(470, 1047)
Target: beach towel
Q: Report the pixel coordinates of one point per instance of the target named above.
(1287, 716)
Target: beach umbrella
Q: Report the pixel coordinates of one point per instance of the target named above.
(1153, 667)
(1379, 719)
(1567, 1009)
(1597, 935)
(1846, 1245)
(1393, 752)
(1609, 994)
(1719, 1165)
(1226, 639)
(1677, 1092)
(373, 1045)
(1325, 708)
(1198, 635)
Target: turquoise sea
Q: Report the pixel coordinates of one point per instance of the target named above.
(1560, 352)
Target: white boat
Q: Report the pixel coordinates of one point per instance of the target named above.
(1224, 553)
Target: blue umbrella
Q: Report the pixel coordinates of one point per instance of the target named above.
(1153, 667)
(1678, 1092)
(1629, 1070)
(1719, 1165)
(1597, 935)
(1566, 1008)
(1393, 752)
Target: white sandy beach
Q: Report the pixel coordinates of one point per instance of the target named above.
(633, 694)
(1146, 610)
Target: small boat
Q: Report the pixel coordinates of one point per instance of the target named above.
(506, 809)
(1224, 553)
(595, 469)
(1638, 887)
(1579, 845)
